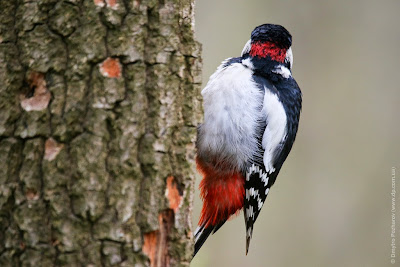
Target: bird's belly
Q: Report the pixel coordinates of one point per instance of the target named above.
(231, 112)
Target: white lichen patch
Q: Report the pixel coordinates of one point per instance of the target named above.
(51, 149)
(36, 103)
(41, 96)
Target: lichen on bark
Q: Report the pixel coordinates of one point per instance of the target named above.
(87, 176)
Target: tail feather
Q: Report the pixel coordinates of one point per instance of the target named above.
(249, 233)
(218, 226)
(202, 233)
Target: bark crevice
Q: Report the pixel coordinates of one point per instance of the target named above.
(85, 179)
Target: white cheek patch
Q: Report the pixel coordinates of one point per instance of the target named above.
(246, 48)
(289, 57)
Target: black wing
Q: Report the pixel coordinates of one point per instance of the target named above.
(259, 179)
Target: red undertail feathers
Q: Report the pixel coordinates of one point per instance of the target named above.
(222, 192)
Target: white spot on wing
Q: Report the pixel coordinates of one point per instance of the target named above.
(260, 203)
(248, 176)
(264, 178)
(252, 192)
(250, 212)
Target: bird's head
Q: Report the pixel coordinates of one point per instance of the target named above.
(271, 42)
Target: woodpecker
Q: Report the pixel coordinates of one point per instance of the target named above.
(252, 108)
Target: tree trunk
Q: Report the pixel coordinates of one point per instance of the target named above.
(98, 113)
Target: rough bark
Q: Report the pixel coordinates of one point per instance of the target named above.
(98, 113)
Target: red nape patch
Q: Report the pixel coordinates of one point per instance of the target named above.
(263, 50)
(222, 193)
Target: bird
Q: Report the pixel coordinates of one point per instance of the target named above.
(252, 107)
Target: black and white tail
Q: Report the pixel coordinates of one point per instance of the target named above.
(257, 186)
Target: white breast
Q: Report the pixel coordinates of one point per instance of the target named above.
(232, 105)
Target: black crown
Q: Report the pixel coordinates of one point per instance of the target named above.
(273, 33)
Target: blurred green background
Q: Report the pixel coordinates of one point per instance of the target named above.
(331, 204)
